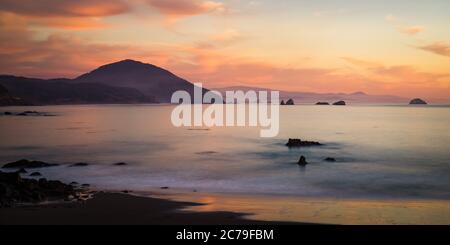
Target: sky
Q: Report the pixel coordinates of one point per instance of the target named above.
(397, 47)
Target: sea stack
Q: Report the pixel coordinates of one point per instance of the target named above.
(417, 101)
(302, 161)
(341, 102)
(322, 103)
(290, 102)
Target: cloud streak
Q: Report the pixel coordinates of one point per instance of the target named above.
(439, 48)
(404, 28)
(180, 8)
(79, 8)
(79, 14)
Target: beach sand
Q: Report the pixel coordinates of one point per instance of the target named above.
(182, 208)
(119, 209)
(345, 211)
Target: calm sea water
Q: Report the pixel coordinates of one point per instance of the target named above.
(381, 151)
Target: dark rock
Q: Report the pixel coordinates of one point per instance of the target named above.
(35, 174)
(7, 113)
(10, 178)
(126, 191)
(24, 163)
(330, 159)
(417, 101)
(21, 171)
(341, 102)
(282, 102)
(120, 164)
(79, 164)
(14, 189)
(301, 143)
(164, 187)
(302, 161)
(322, 103)
(73, 183)
(290, 102)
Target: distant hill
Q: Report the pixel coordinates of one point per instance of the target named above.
(148, 79)
(312, 98)
(6, 99)
(64, 91)
(122, 82)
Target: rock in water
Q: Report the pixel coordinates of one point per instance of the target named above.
(120, 164)
(341, 102)
(417, 101)
(302, 161)
(290, 102)
(322, 103)
(282, 102)
(301, 143)
(330, 159)
(24, 163)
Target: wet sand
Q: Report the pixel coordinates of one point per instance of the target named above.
(119, 209)
(317, 210)
(176, 207)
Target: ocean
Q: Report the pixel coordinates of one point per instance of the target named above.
(387, 152)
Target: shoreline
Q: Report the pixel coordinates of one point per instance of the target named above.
(112, 208)
(177, 207)
(316, 210)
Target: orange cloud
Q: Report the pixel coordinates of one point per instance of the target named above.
(185, 7)
(412, 30)
(46, 8)
(439, 48)
(402, 27)
(64, 14)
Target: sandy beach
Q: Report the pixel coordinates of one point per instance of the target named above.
(120, 209)
(177, 207)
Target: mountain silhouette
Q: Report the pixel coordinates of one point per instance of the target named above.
(122, 82)
(63, 91)
(149, 79)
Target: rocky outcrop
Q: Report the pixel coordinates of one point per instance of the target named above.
(301, 143)
(282, 102)
(24, 163)
(15, 189)
(330, 159)
(290, 102)
(417, 101)
(302, 161)
(322, 103)
(120, 164)
(341, 102)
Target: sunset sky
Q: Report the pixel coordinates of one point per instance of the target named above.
(399, 47)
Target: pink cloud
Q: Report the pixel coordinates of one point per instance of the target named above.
(185, 7)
